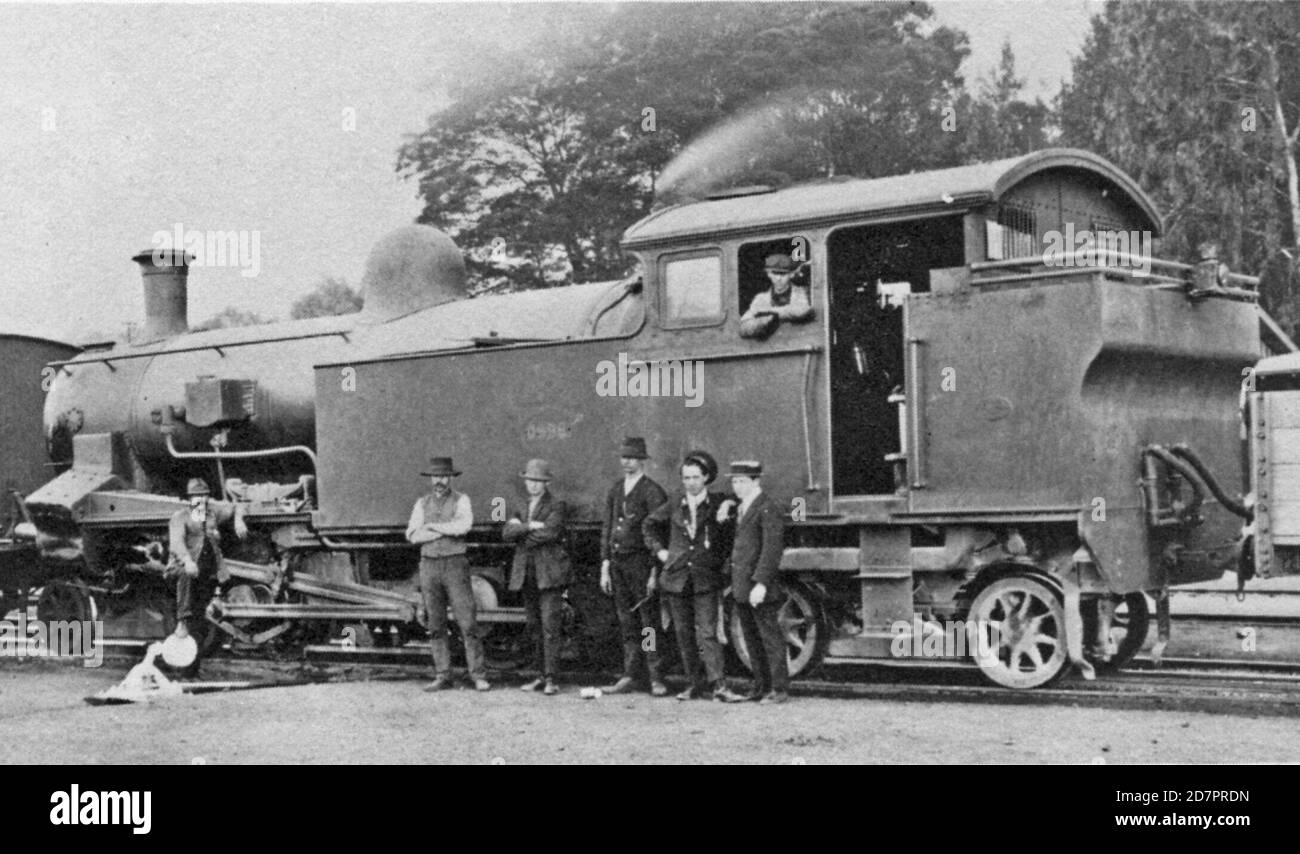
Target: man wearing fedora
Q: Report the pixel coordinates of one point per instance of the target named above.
(693, 555)
(627, 567)
(438, 525)
(755, 585)
(194, 553)
(782, 301)
(541, 569)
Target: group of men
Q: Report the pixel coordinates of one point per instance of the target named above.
(688, 549)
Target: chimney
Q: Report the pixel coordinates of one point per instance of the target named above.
(166, 311)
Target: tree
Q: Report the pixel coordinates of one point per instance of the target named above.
(331, 297)
(228, 318)
(998, 123)
(543, 158)
(1198, 101)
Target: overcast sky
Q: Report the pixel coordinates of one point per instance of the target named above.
(119, 121)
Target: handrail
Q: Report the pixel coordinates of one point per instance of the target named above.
(113, 356)
(914, 391)
(238, 455)
(1108, 255)
(810, 484)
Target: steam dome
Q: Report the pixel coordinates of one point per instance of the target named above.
(414, 267)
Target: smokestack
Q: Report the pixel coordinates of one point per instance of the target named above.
(166, 309)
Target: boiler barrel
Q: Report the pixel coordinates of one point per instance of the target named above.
(263, 392)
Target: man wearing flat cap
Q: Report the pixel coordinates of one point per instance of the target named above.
(755, 584)
(627, 568)
(194, 553)
(541, 570)
(438, 525)
(782, 301)
(691, 536)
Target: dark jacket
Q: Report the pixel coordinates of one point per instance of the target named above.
(543, 548)
(756, 553)
(700, 559)
(621, 532)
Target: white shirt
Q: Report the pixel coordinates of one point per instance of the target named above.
(744, 505)
(629, 482)
(693, 503)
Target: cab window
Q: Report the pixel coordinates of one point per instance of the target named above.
(692, 290)
(751, 265)
(773, 286)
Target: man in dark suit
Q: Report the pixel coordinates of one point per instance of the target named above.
(694, 571)
(541, 569)
(755, 585)
(626, 566)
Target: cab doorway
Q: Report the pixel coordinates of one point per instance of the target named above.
(871, 269)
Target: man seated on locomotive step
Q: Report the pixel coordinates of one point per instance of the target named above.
(194, 550)
(783, 301)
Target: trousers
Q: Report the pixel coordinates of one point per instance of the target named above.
(193, 594)
(444, 580)
(767, 648)
(543, 609)
(628, 575)
(695, 621)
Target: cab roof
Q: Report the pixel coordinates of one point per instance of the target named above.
(824, 202)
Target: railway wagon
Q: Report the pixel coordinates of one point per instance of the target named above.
(23, 460)
(992, 439)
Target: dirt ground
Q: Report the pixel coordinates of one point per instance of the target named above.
(47, 721)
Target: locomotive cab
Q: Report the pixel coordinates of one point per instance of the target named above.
(994, 354)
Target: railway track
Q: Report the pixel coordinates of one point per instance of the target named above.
(1204, 669)
(1219, 686)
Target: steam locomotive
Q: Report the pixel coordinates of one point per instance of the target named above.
(979, 440)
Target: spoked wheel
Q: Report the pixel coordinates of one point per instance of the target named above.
(803, 622)
(12, 600)
(243, 593)
(1020, 632)
(1128, 631)
(67, 602)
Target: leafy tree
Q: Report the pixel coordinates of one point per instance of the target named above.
(331, 297)
(543, 158)
(998, 123)
(1200, 102)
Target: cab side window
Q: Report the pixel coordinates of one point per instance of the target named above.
(774, 285)
(692, 290)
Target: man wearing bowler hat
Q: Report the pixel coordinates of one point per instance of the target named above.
(627, 567)
(694, 553)
(438, 525)
(194, 553)
(783, 301)
(755, 585)
(541, 569)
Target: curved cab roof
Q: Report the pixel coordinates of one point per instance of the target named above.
(827, 201)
